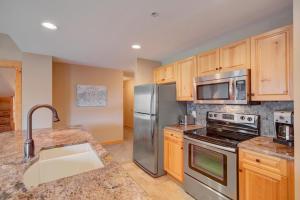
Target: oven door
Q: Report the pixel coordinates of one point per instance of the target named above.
(212, 166)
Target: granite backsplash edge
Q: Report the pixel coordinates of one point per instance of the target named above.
(265, 110)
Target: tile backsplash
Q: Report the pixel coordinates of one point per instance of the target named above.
(265, 110)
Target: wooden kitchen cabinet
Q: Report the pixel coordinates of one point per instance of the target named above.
(173, 153)
(208, 62)
(235, 56)
(271, 65)
(263, 177)
(186, 71)
(165, 74)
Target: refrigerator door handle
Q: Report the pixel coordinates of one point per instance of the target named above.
(151, 106)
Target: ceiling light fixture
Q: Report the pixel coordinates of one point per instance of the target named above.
(136, 46)
(49, 25)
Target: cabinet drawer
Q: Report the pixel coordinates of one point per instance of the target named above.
(173, 134)
(4, 120)
(4, 113)
(269, 163)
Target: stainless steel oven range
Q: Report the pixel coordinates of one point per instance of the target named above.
(210, 155)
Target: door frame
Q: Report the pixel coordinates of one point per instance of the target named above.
(17, 65)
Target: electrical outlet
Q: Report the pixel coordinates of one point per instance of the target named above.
(194, 114)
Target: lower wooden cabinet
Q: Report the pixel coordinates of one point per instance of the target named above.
(263, 177)
(173, 153)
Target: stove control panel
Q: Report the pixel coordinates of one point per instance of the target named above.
(233, 117)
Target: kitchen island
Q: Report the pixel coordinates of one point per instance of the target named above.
(109, 182)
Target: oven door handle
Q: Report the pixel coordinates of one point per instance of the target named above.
(211, 145)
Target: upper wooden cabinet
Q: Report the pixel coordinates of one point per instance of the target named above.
(208, 62)
(165, 74)
(263, 177)
(236, 55)
(231, 57)
(271, 65)
(186, 70)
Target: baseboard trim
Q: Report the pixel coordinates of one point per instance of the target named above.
(112, 142)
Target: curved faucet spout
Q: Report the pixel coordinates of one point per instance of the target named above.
(29, 143)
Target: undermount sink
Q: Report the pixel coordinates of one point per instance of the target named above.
(61, 162)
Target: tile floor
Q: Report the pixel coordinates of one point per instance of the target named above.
(163, 188)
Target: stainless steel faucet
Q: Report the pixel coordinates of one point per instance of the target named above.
(29, 143)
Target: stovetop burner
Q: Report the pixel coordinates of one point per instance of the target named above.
(227, 129)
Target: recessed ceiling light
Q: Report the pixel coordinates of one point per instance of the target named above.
(136, 46)
(49, 25)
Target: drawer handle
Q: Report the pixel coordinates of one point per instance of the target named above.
(257, 160)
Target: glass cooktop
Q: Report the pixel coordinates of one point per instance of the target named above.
(229, 138)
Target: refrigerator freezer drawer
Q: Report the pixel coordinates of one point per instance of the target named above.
(145, 141)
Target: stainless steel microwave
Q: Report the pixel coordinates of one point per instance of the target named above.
(231, 87)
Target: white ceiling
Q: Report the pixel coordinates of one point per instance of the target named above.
(100, 32)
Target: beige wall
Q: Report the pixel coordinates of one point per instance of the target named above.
(105, 123)
(8, 49)
(144, 71)
(36, 88)
(36, 80)
(297, 94)
(128, 102)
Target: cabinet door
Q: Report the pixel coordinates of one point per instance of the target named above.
(257, 184)
(176, 159)
(159, 75)
(165, 74)
(184, 82)
(271, 65)
(208, 62)
(173, 156)
(166, 153)
(235, 56)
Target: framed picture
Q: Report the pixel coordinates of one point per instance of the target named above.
(91, 95)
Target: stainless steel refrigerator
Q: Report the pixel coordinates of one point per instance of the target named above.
(155, 106)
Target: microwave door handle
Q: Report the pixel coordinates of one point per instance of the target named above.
(232, 90)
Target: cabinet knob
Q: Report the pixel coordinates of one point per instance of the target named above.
(240, 170)
(217, 68)
(181, 148)
(257, 160)
(252, 94)
(220, 67)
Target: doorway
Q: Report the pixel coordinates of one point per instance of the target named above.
(10, 96)
(128, 103)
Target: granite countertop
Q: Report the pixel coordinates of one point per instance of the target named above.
(109, 182)
(266, 146)
(182, 128)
